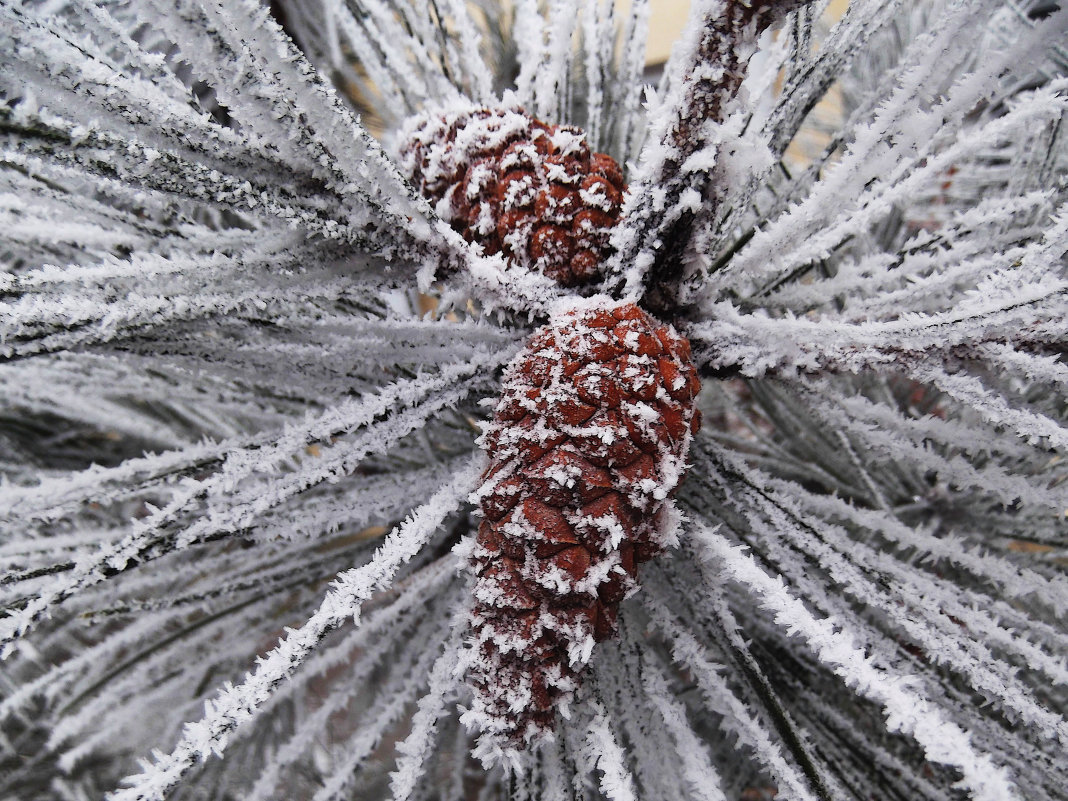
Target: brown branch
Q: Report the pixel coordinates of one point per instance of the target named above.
(711, 81)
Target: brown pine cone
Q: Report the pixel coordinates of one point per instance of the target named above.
(588, 443)
(517, 186)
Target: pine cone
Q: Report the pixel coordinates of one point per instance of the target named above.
(517, 186)
(588, 444)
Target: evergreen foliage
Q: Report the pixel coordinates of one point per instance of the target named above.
(243, 367)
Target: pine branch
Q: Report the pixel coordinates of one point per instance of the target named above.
(235, 705)
(905, 708)
(676, 170)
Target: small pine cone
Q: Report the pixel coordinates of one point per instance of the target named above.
(517, 186)
(588, 443)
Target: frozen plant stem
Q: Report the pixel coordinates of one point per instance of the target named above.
(676, 176)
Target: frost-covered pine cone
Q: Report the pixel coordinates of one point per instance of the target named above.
(515, 185)
(588, 443)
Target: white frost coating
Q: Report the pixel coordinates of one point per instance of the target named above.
(922, 607)
(604, 751)
(896, 146)
(417, 746)
(557, 786)
(721, 699)
(192, 154)
(502, 284)
(1008, 291)
(888, 435)
(56, 678)
(771, 250)
(704, 74)
(598, 41)
(91, 569)
(934, 267)
(403, 686)
(391, 73)
(235, 705)
(528, 31)
(629, 85)
(186, 234)
(475, 70)
(701, 776)
(158, 290)
(374, 641)
(551, 89)
(904, 706)
(967, 389)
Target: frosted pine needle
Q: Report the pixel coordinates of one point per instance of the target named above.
(246, 359)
